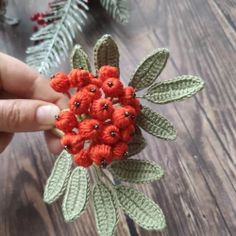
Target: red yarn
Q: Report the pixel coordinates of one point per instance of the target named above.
(122, 117)
(73, 143)
(134, 102)
(112, 87)
(60, 82)
(89, 128)
(101, 109)
(80, 102)
(129, 93)
(106, 72)
(79, 78)
(95, 80)
(110, 134)
(83, 158)
(127, 134)
(66, 121)
(106, 115)
(93, 91)
(119, 150)
(137, 105)
(101, 154)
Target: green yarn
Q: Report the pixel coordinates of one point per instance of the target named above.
(105, 210)
(79, 58)
(156, 124)
(142, 210)
(173, 90)
(58, 179)
(149, 69)
(106, 52)
(107, 197)
(136, 171)
(77, 194)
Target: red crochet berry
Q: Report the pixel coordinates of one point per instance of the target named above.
(119, 150)
(110, 134)
(66, 121)
(137, 105)
(106, 72)
(89, 128)
(129, 98)
(129, 93)
(79, 78)
(83, 158)
(95, 80)
(73, 143)
(101, 109)
(127, 134)
(108, 112)
(93, 91)
(60, 82)
(80, 102)
(112, 87)
(122, 117)
(101, 154)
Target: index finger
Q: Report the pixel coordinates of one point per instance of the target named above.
(19, 79)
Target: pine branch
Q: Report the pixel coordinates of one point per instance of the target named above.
(54, 40)
(117, 9)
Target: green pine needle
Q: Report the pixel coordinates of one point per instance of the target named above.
(117, 9)
(55, 39)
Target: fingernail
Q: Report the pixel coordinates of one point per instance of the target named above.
(45, 115)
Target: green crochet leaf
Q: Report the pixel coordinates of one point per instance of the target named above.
(117, 9)
(106, 52)
(58, 179)
(173, 90)
(136, 171)
(105, 210)
(137, 144)
(149, 69)
(156, 124)
(142, 210)
(77, 194)
(79, 58)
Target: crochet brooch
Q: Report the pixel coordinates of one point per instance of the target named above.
(101, 131)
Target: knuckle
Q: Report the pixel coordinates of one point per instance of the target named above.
(13, 116)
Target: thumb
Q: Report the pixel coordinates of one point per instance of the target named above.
(26, 115)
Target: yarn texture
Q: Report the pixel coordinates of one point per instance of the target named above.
(97, 118)
(102, 130)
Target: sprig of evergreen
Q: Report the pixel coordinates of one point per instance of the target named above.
(53, 41)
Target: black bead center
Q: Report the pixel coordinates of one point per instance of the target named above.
(76, 104)
(113, 133)
(105, 106)
(96, 126)
(110, 83)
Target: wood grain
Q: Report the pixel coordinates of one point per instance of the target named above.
(198, 190)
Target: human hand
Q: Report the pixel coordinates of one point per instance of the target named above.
(27, 102)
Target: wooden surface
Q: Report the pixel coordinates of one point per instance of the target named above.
(198, 191)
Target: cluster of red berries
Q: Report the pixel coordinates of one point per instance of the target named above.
(42, 19)
(101, 118)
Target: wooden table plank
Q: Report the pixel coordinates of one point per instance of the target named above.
(197, 192)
